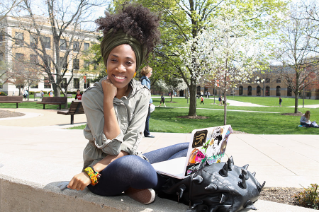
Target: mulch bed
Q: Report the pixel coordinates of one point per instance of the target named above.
(7, 114)
(280, 195)
(292, 114)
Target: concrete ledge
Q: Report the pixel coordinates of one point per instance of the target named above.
(30, 185)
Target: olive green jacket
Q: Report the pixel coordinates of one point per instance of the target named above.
(131, 112)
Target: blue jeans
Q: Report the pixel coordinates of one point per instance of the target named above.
(147, 123)
(133, 171)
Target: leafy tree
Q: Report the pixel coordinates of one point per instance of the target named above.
(296, 44)
(183, 20)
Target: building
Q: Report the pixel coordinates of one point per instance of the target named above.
(21, 48)
(270, 83)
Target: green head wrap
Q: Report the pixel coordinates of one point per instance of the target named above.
(111, 40)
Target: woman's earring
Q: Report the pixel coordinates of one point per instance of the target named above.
(134, 75)
(106, 71)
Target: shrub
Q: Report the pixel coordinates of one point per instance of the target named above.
(31, 93)
(309, 197)
(3, 93)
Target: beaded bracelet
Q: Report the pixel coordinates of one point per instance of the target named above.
(94, 176)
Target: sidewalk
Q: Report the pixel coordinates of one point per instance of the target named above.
(39, 141)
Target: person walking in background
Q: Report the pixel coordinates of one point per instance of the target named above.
(51, 94)
(201, 99)
(162, 100)
(147, 73)
(26, 94)
(78, 95)
(220, 100)
(280, 101)
(42, 94)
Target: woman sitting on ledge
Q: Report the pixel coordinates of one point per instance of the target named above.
(116, 110)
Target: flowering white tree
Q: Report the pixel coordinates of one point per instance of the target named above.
(228, 50)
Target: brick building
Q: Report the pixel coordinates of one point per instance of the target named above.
(17, 43)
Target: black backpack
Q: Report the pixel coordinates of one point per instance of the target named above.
(218, 187)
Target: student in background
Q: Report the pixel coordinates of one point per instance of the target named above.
(201, 99)
(78, 95)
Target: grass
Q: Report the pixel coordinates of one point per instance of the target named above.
(166, 119)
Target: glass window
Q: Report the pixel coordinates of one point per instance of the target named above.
(278, 91)
(19, 38)
(76, 46)
(258, 91)
(267, 91)
(86, 46)
(33, 41)
(19, 57)
(278, 80)
(62, 44)
(241, 90)
(87, 83)
(1, 85)
(63, 84)
(249, 91)
(46, 42)
(76, 83)
(65, 64)
(267, 80)
(34, 86)
(86, 64)
(47, 82)
(76, 63)
(289, 91)
(1, 57)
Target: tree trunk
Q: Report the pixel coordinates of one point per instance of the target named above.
(225, 108)
(192, 98)
(297, 92)
(172, 96)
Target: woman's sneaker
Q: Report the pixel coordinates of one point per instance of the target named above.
(145, 196)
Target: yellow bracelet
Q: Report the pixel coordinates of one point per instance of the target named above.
(94, 176)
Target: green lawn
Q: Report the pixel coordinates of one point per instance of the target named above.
(166, 119)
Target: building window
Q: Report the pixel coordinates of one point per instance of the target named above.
(33, 59)
(1, 86)
(76, 83)
(35, 86)
(76, 63)
(47, 82)
(18, 64)
(76, 46)
(19, 38)
(33, 42)
(289, 91)
(62, 44)
(258, 91)
(278, 91)
(249, 91)
(278, 80)
(87, 84)
(65, 64)
(1, 57)
(46, 42)
(267, 80)
(267, 91)
(86, 64)
(86, 46)
(64, 83)
(241, 90)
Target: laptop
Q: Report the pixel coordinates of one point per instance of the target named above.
(205, 145)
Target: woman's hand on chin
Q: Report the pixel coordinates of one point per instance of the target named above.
(109, 89)
(80, 181)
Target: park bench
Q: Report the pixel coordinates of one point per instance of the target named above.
(75, 108)
(11, 99)
(37, 95)
(53, 101)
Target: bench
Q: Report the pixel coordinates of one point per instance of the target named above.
(11, 99)
(53, 101)
(75, 108)
(68, 95)
(37, 95)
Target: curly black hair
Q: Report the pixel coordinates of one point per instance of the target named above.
(136, 21)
